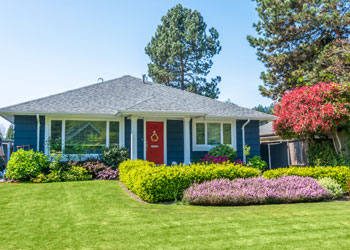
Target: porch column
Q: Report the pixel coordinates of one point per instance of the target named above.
(133, 138)
(187, 146)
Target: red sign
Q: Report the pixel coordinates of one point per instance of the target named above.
(155, 142)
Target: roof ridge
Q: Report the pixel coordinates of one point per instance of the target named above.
(64, 92)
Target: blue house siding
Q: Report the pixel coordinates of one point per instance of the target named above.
(175, 141)
(139, 136)
(195, 155)
(252, 138)
(140, 146)
(25, 131)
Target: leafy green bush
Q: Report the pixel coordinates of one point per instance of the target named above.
(321, 152)
(25, 165)
(161, 183)
(61, 171)
(339, 174)
(92, 166)
(76, 174)
(73, 173)
(224, 150)
(257, 162)
(334, 188)
(114, 155)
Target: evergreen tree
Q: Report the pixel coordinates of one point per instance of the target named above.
(181, 52)
(302, 42)
(9, 134)
(264, 109)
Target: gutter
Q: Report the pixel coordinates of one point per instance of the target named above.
(159, 113)
(243, 140)
(37, 132)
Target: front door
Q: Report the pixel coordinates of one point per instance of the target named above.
(155, 142)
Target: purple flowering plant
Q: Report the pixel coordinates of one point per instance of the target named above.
(208, 159)
(108, 174)
(225, 192)
(238, 162)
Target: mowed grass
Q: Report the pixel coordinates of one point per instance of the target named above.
(101, 215)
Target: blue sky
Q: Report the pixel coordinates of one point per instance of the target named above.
(48, 47)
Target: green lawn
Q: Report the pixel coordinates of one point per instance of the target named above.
(100, 215)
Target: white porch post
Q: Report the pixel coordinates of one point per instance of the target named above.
(133, 138)
(187, 147)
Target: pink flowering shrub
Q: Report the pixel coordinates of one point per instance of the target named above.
(312, 110)
(286, 189)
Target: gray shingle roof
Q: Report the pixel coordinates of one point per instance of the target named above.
(130, 94)
(266, 129)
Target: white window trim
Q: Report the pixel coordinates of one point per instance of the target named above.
(206, 147)
(48, 120)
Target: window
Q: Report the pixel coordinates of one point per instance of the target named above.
(85, 137)
(56, 136)
(227, 133)
(113, 133)
(82, 136)
(200, 133)
(213, 133)
(208, 134)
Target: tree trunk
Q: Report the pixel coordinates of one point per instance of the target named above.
(338, 144)
(182, 73)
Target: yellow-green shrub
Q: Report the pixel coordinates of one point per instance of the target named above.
(338, 174)
(161, 183)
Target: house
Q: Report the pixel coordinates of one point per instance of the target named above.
(155, 122)
(279, 152)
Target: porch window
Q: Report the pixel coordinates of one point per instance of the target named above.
(113, 133)
(213, 133)
(82, 136)
(227, 133)
(209, 134)
(200, 133)
(85, 137)
(56, 136)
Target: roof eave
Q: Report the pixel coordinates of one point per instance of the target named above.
(160, 113)
(245, 117)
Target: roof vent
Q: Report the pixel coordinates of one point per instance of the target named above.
(144, 78)
(100, 79)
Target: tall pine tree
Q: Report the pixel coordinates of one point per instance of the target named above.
(302, 42)
(181, 52)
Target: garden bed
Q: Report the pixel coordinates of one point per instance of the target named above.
(252, 191)
(161, 183)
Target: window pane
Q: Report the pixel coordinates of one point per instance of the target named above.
(200, 137)
(227, 133)
(214, 135)
(56, 135)
(85, 137)
(113, 133)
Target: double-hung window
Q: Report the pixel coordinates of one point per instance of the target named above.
(208, 134)
(88, 137)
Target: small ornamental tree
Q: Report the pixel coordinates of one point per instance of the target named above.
(310, 111)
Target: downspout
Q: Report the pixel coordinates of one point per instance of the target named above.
(243, 140)
(37, 132)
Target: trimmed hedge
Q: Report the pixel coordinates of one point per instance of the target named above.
(339, 174)
(161, 183)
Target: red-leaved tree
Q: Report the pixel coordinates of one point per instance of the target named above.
(308, 111)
